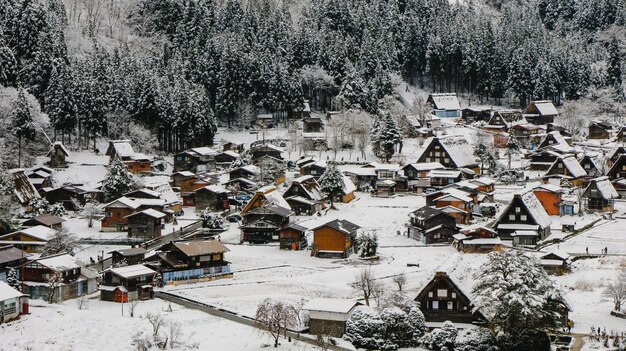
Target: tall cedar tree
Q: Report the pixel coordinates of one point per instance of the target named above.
(118, 180)
(385, 136)
(22, 125)
(331, 183)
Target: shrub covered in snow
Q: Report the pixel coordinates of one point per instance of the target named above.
(442, 339)
(367, 244)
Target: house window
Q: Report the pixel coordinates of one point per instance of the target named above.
(436, 147)
(427, 159)
(430, 294)
(511, 217)
(560, 165)
(450, 305)
(109, 214)
(453, 295)
(437, 153)
(446, 160)
(523, 217)
(442, 292)
(435, 305)
(518, 210)
(314, 172)
(587, 166)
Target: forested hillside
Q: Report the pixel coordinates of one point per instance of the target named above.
(178, 67)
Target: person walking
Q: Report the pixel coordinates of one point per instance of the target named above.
(587, 250)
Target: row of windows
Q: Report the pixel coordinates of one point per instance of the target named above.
(442, 293)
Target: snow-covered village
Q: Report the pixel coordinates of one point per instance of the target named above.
(307, 175)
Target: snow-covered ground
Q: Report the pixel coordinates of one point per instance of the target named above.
(104, 327)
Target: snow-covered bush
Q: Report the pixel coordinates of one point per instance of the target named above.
(479, 339)
(40, 206)
(367, 244)
(441, 339)
(398, 331)
(365, 329)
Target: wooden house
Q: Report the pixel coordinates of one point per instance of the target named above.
(10, 257)
(431, 225)
(621, 138)
(550, 198)
(46, 220)
(444, 177)
(328, 316)
(23, 189)
(182, 262)
(540, 112)
(618, 170)
(555, 262)
(212, 197)
(556, 142)
(542, 160)
(226, 158)
(261, 150)
(524, 132)
(567, 168)
(31, 239)
(458, 200)
(523, 214)
(445, 105)
(69, 195)
(451, 152)
(415, 171)
(600, 130)
(293, 237)
(264, 196)
(197, 160)
(128, 283)
(301, 111)
(316, 169)
(364, 177)
(497, 122)
(334, 239)
(40, 177)
(120, 148)
(593, 166)
(143, 194)
(76, 280)
(473, 114)
(347, 191)
(551, 127)
(304, 196)
(234, 146)
(127, 257)
(620, 187)
(271, 169)
(247, 172)
(183, 180)
(57, 155)
(485, 184)
(614, 154)
(116, 214)
(443, 299)
(146, 224)
(600, 195)
(476, 239)
(242, 184)
(13, 303)
(262, 224)
(312, 125)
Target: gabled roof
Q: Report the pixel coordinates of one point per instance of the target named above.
(348, 185)
(543, 107)
(482, 181)
(445, 101)
(46, 220)
(605, 187)
(131, 252)
(459, 150)
(425, 166)
(147, 193)
(125, 202)
(216, 189)
(149, 212)
(200, 247)
(340, 225)
(452, 197)
(571, 164)
(60, 262)
(534, 209)
(38, 232)
(203, 151)
(438, 277)
(184, 174)
(560, 144)
(425, 213)
(133, 271)
(549, 188)
(558, 253)
(7, 292)
(58, 145)
(122, 148)
(11, 253)
(442, 173)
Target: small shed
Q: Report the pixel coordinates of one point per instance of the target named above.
(328, 316)
(128, 256)
(12, 303)
(145, 224)
(556, 262)
(57, 155)
(334, 239)
(293, 237)
(46, 220)
(600, 130)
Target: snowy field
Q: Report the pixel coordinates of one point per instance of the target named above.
(103, 327)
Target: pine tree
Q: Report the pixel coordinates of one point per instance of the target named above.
(385, 136)
(118, 180)
(331, 183)
(487, 159)
(60, 104)
(8, 66)
(13, 280)
(22, 125)
(512, 147)
(614, 68)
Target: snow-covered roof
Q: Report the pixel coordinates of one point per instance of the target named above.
(459, 149)
(571, 164)
(200, 247)
(518, 226)
(231, 153)
(7, 292)
(558, 253)
(40, 232)
(124, 202)
(605, 187)
(536, 210)
(436, 173)
(330, 305)
(348, 186)
(215, 189)
(361, 171)
(426, 166)
(252, 169)
(58, 144)
(140, 157)
(123, 148)
(545, 107)
(452, 209)
(150, 202)
(303, 178)
(341, 225)
(275, 198)
(446, 101)
(385, 166)
(132, 271)
(61, 262)
(149, 212)
(483, 181)
(185, 173)
(483, 241)
(548, 187)
(452, 197)
(204, 151)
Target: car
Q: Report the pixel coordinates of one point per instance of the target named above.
(233, 218)
(430, 191)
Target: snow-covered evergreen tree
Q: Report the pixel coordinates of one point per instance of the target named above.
(8, 65)
(441, 339)
(418, 322)
(367, 244)
(512, 147)
(365, 329)
(118, 180)
(385, 136)
(331, 183)
(398, 330)
(515, 293)
(486, 156)
(13, 280)
(22, 125)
